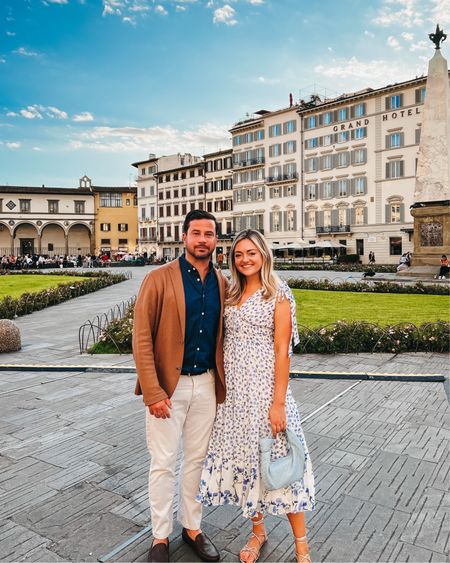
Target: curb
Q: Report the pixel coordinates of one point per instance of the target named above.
(294, 374)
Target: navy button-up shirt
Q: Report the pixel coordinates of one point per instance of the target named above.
(202, 318)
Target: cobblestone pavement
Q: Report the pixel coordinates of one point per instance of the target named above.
(73, 460)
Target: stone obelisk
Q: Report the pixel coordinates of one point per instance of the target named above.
(432, 190)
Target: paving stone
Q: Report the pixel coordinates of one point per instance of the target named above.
(16, 500)
(26, 472)
(411, 553)
(421, 442)
(429, 526)
(391, 480)
(16, 541)
(440, 479)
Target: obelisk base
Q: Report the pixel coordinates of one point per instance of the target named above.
(431, 234)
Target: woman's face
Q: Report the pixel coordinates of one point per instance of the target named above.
(248, 258)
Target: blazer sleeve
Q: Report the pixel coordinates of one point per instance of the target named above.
(145, 320)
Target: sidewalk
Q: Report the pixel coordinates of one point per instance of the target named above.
(74, 464)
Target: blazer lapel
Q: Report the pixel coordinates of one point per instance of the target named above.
(178, 290)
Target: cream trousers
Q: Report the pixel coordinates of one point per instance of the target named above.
(191, 420)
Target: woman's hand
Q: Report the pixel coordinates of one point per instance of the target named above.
(277, 417)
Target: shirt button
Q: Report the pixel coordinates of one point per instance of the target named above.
(189, 271)
(198, 349)
(201, 330)
(195, 366)
(198, 279)
(203, 313)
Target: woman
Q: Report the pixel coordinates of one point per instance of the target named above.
(260, 325)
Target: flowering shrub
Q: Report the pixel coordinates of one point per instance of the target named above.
(370, 287)
(116, 337)
(11, 307)
(378, 268)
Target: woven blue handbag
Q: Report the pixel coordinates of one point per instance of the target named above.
(283, 471)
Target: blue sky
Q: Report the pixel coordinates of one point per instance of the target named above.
(89, 86)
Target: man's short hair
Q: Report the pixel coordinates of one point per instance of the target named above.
(198, 214)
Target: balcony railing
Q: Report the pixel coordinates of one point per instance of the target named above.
(148, 239)
(282, 178)
(333, 229)
(249, 162)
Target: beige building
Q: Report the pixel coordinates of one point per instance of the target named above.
(43, 220)
(219, 195)
(267, 159)
(359, 164)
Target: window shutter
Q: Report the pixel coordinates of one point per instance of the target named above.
(335, 189)
(388, 170)
(271, 222)
(417, 136)
(402, 168)
(388, 141)
(347, 216)
(320, 190)
(402, 139)
(335, 114)
(305, 123)
(320, 119)
(401, 100)
(364, 153)
(402, 213)
(365, 210)
(417, 96)
(319, 218)
(352, 186)
(387, 103)
(387, 213)
(334, 217)
(306, 219)
(352, 134)
(295, 220)
(352, 112)
(284, 226)
(352, 216)
(270, 192)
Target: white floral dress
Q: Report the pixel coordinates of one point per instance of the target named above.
(231, 470)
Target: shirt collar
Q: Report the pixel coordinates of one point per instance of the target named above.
(189, 268)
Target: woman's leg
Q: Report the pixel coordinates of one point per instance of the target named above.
(297, 521)
(250, 552)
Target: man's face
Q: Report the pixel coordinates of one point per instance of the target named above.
(201, 239)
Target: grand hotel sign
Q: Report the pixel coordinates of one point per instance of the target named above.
(385, 117)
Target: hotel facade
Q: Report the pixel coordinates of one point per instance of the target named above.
(340, 170)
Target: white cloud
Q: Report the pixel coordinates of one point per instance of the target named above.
(12, 114)
(225, 15)
(129, 19)
(113, 7)
(137, 7)
(393, 43)
(256, 2)
(25, 53)
(54, 112)
(407, 36)
(266, 80)
(440, 12)
(369, 33)
(358, 74)
(2, 60)
(420, 46)
(407, 13)
(166, 139)
(179, 8)
(159, 9)
(31, 112)
(37, 149)
(10, 33)
(13, 145)
(83, 116)
(56, 2)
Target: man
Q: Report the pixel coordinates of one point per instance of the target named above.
(177, 346)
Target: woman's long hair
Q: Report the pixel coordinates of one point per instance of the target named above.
(269, 279)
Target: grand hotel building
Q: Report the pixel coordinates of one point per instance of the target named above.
(341, 169)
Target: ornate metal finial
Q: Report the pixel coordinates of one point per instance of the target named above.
(437, 37)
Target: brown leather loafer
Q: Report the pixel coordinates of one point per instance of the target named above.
(159, 553)
(202, 546)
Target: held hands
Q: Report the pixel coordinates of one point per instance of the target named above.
(277, 417)
(161, 409)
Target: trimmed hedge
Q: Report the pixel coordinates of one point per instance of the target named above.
(340, 337)
(11, 307)
(372, 287)
(379, 269)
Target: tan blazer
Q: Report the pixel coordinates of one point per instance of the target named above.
(158, 334)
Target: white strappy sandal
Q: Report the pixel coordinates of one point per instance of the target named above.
(254, 551)
(301, 558)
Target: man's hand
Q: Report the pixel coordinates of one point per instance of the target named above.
(161, 409)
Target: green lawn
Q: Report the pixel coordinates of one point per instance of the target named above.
(318, 308)
(14, 285)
